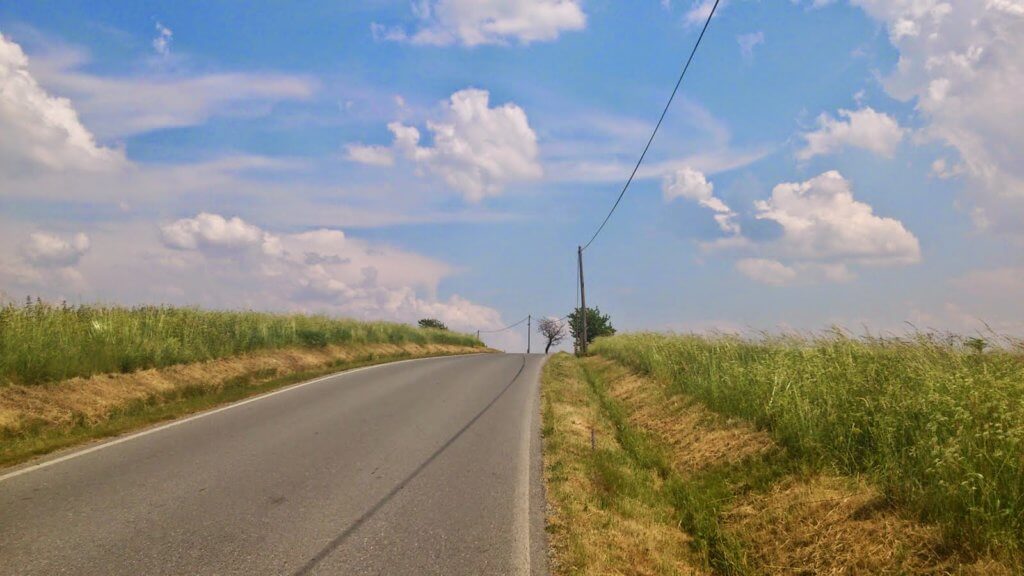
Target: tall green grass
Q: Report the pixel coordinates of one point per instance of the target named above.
(40, 342)
(937, 421)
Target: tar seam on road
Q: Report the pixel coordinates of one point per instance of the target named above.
(123, 439)
(340, 538)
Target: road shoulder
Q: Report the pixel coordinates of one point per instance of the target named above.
(51, 420)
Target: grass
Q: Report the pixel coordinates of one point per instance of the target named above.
(171, 404)
(45, 343)
(936, 422)
(607, 513)
(669, 487)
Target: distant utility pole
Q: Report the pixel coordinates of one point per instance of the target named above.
(529, 329)
(583, 304)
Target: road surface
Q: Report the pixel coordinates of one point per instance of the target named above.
(419, 467)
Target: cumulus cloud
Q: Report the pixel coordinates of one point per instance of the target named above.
(823, 232)
(43, 250)
(865, 128)
(213, 232)
(477, 150)
(960, 62)
(41, 131)
(323, 269)
(821, 221)
(476, 22)
(691, 184)
(162, 41)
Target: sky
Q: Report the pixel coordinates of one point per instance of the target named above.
(844, 163)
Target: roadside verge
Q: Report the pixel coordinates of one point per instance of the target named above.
(641, 480)
(36, 420)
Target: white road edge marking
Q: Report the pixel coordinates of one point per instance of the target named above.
(123, 439)
(521, 512)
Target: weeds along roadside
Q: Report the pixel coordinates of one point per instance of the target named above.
(41, 343)
(662, 464)
(616, 497)
(938, 426)
(36, 420)
(606, 512)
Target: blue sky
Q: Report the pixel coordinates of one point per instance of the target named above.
(853, 163)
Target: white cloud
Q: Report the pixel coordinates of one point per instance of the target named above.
(44, 250)
(477, 150)
(162, 42)
(748, 42)
(960, 62)
(822, 222)
(123, 105)
(371, 155)
(41, 131)
(865, 128)
(326, 269)
(692, 185)
(220, 262)
(212, 232)
(766, 271)
(476, 22)
(824, 231)
(699, 12)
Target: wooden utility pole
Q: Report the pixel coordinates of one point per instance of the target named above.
(529, 329)
(583, 304)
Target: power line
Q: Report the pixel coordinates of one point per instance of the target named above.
(660, 120)
(509, 327)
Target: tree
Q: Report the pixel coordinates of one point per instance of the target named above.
(553, 330)
(597, 324)
(432, 323)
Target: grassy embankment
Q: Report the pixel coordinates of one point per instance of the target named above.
(69, 374)
(830, 455)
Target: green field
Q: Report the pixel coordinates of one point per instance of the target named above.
(936, 421)
(44, 343)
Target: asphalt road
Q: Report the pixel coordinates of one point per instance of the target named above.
(419, 467)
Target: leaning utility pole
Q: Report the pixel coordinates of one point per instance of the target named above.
(529, 328)
(583, 305)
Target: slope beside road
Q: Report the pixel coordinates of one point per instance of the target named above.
(418, 467)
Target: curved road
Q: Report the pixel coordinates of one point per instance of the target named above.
(418, 467)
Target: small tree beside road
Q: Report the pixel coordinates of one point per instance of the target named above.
(597, 324)
(553, 329)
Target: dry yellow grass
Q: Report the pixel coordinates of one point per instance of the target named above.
(588, 535)
(695, 437)
(842, 526)
(824, 524)
(90, 401)
(800, 523)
